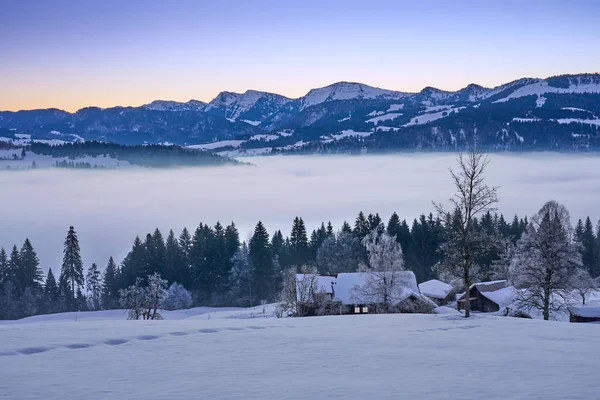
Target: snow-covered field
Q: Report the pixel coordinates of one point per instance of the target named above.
(398, 356)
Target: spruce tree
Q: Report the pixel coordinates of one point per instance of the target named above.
(262, 260)
(72, 266)
(173, 265)
(330, 231)
(4, 267)
(110, 285)
(374, 222)
(185, 245)
(94, 287)
(29, 274)
(134, 264)
(13, 264)
(588, 243)
(51, 292)
(299, 250)
(361, 226)
(393, 226)
(346, 228)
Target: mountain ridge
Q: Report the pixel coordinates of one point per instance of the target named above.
(334, 111)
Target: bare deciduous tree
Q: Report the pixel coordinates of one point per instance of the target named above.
(546, 258)
(473, 197)
(300, 294)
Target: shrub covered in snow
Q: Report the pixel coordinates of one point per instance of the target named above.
(144, 302)
(178, 298)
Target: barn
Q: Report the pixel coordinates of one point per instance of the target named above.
(487, 296)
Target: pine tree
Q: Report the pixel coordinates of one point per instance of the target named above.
(174, 264)
(374, 222)
(262, 260)
(28, 273)
(51, 296)
(4, 267)
(94, 287)
(110, 286)
(72, 266)
(299, 250)
(361, 226)
(200, 259)
(134, 264)
(330, 231)
(13, 264)
(346, 227)
(393, 226)
(588, 242)
(185, 244)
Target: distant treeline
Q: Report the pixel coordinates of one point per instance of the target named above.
(219, 269)
(143, 155)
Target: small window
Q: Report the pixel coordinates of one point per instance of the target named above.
(365, 310)
(356, 310)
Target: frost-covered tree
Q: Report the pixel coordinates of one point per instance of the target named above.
(177, 298)
(583, 283)
(133, 299)
(341, 253)
(155, 295)
(144, 302)
(473, 197)
(545, 261)
(384, 284)
(94, 287)
(240, 277)
(72, 266)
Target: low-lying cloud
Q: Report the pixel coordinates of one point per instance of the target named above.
(109, 208)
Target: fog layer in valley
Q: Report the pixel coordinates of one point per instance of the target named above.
(109, 208)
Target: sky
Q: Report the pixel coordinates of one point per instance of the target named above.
(69, 54)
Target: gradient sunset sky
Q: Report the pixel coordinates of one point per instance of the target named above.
(70, 54)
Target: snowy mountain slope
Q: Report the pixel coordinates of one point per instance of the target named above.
(347, 106)
(251, 105)
(165, 105)
(347, 91)
(303, 358)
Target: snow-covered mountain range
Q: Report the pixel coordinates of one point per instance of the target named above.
(561, 112)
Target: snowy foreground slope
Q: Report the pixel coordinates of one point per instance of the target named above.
(232, 356)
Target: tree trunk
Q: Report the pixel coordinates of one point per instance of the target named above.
(467, 280)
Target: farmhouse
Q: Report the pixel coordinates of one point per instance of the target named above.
(584, 314)
(355, 294)
(438, 291)
(487, 296)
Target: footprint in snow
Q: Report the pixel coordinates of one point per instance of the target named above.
(147, 337)
(33, 350)
(115, 342)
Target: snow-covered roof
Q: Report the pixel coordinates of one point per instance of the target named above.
(347, 282)
(435, 289)
(503, 297)
(586, 311)
(490, 286)
(323, 283)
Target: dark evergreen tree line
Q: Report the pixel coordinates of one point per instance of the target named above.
(220, 270)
